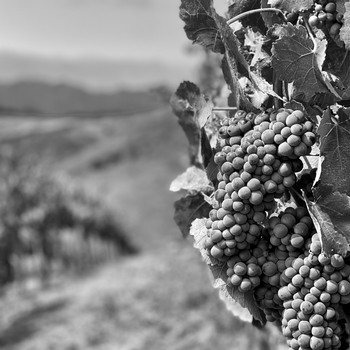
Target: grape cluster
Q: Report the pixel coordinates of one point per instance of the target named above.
(257, 160)
(311, 290)
(325, 15)
(275, 254)
(289, 232)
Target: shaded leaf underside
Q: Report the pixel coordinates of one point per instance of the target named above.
(331, 209)
(335, 147)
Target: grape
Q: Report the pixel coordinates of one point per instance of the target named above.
(330, 314)
(322, 16)
(316, 320)
(236, 280)
(318, 7)
(318, 332)
(297, 130)
(334, 29)
(216, 252)
(314, 20)
(289, 314)
(320, 283)
(316, 343)
(284, 149)
(330, 7)
(311, 298)
(331, 287)
(337, 261)
(306, 307)
(245, 285)
(298, 263)
(304, 327)
(280, 230)
(320, 307)
(269, 268)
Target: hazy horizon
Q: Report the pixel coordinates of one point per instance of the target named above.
(69, 34)
(94, 74)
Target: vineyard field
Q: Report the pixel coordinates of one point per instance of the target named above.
(145, 301)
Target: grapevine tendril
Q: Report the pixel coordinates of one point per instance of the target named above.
(251, 12)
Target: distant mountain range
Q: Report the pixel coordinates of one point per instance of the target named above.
(93, 74)
(37, 97)
(61, 85)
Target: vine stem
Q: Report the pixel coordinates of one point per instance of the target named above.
(296, 193)
(311, 34)
(225, 109)
(277, 87)
(251, 12)
(307, 162)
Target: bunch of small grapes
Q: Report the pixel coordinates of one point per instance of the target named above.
(315, 285)
(325, 15)
(244, 270)
(289, 232)
(257, 160)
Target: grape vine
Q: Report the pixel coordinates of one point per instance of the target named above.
(267, 194)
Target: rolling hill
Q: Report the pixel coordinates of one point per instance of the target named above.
(40, 97)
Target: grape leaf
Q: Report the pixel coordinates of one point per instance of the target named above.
(225, 294)
(212, 170)
(255, 41)
(335, 147)
(232, 46)
(239, 6)
(257, 97)
(331, 209)
(199, 15)
(193, 180)
(254, 20)
(235, 63)
(200, 26)
(331, 216)
(239, 98)
(292, 6)
(337, 63)
(295, 59)
(200, 18)
(199, 232)
(206, 150)
(204, 111)
(189, 208)
(345, 29)
(270, 18)
(242, 305)
(192, 109)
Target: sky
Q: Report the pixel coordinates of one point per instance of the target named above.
(118, 30)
